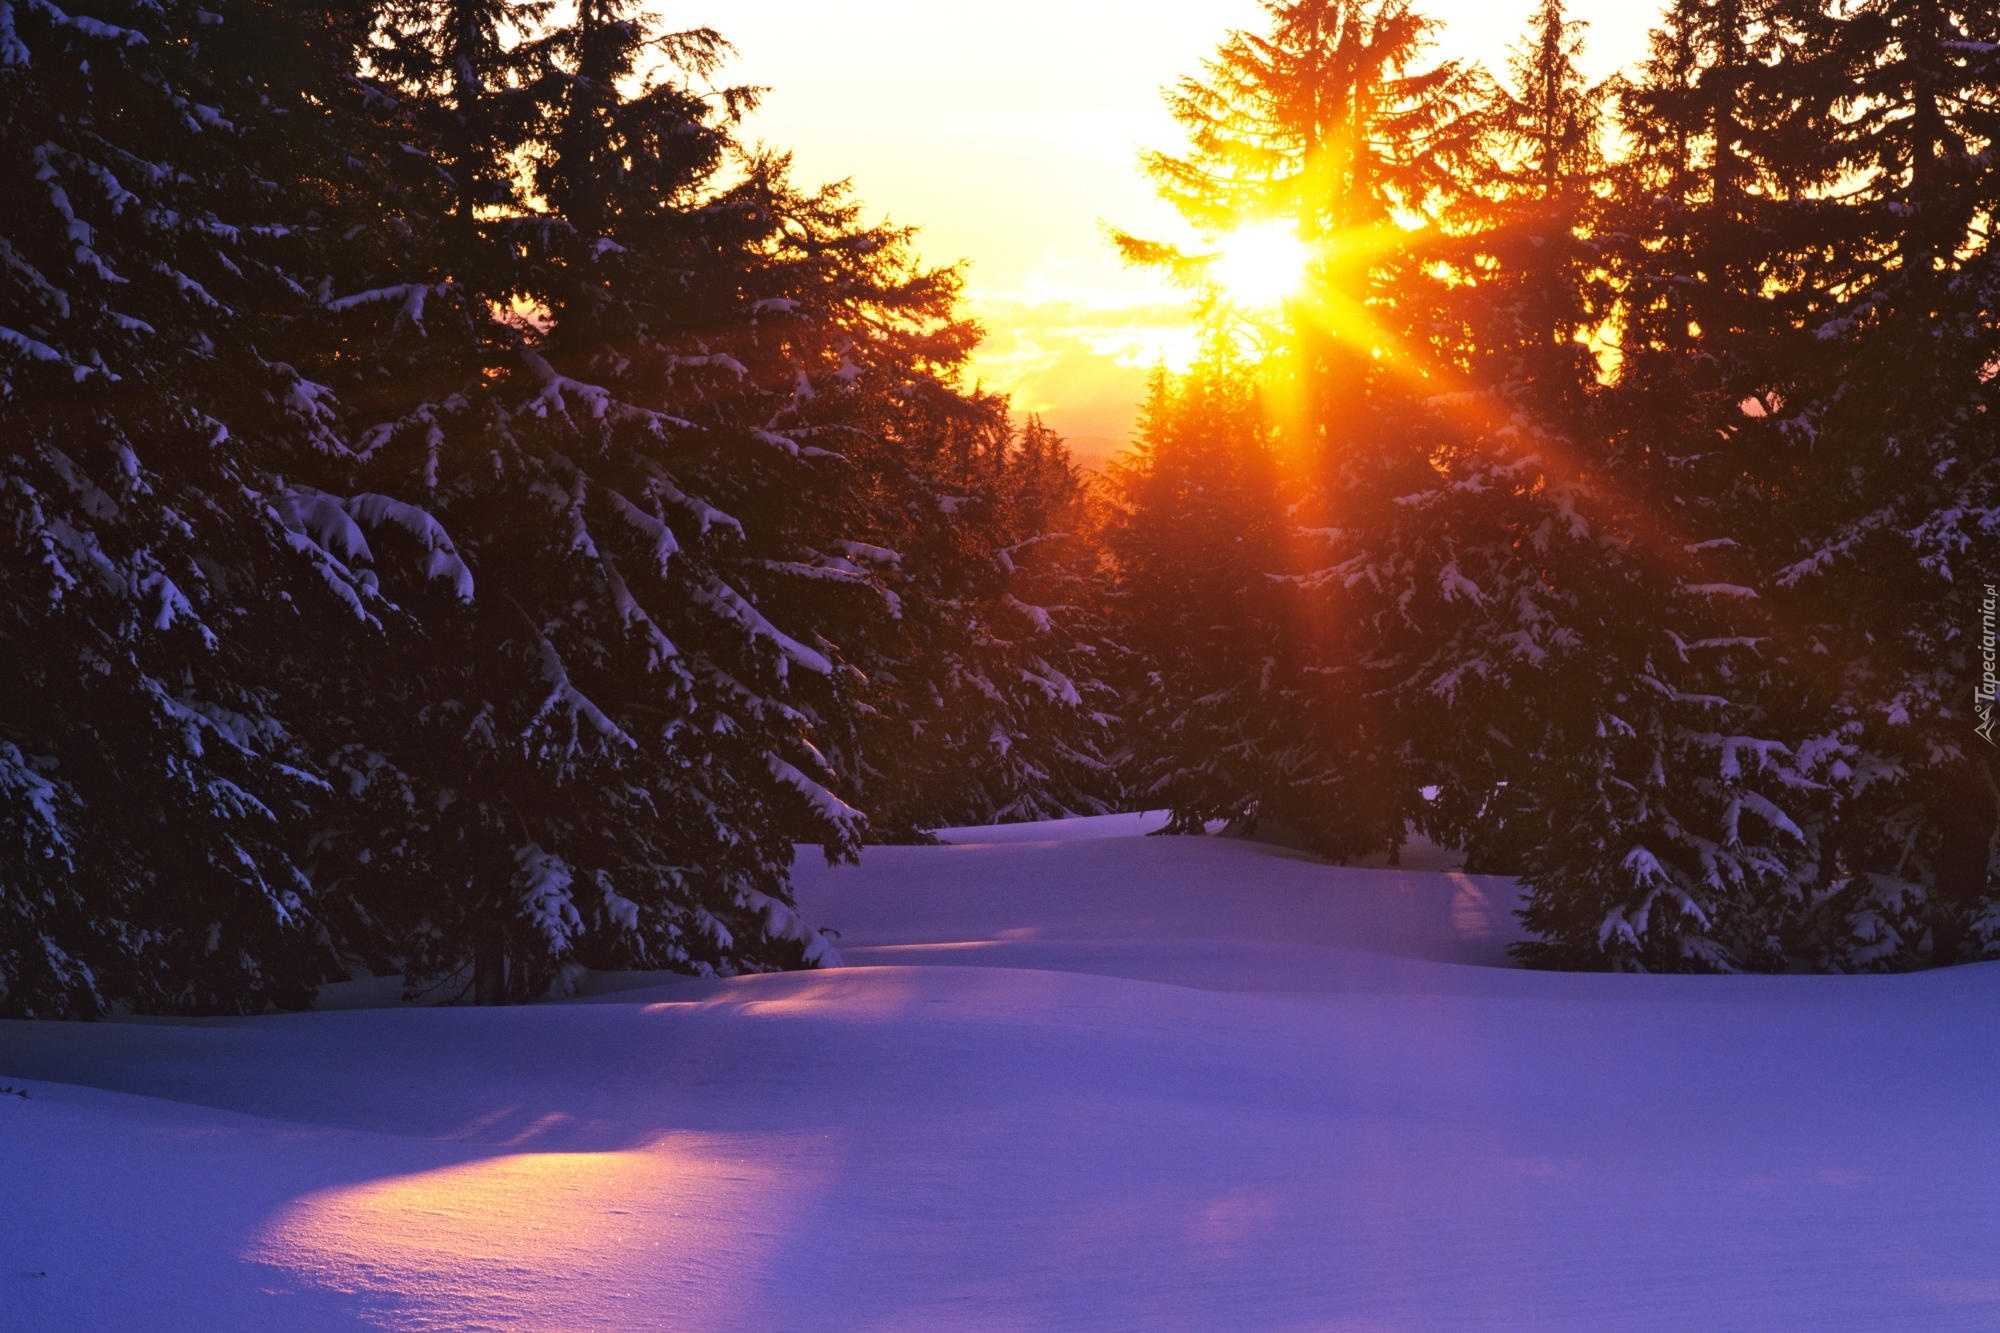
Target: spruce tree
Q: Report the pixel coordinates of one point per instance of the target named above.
(1196, 534)
(446, 561)
(1676, 633)
(729, 533)
(1671, 805)
(597, 745)
(1059, 762)
(157, 778)
(1799, 786)
(1333, 123)
(1522, 226)
(987, 698)
(1891, 534)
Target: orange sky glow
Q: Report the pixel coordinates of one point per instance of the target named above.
(1009, 133)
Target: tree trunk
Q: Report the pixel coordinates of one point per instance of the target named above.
(489, 968)
(1958, 883)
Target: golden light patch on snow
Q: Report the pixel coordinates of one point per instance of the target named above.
(572, 1240)
(1474, 913)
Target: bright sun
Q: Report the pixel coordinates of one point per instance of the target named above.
(1259, 265)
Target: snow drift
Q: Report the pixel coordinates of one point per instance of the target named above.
(1071, 1077)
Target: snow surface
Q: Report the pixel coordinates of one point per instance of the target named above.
(1072, 1078)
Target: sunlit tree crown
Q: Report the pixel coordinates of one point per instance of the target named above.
(1549, 122)
(1331, 118)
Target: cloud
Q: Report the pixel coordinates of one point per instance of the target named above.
(1078, 354)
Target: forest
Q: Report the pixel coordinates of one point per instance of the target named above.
(467, 513)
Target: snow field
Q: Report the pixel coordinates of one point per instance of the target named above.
(1071, 1078)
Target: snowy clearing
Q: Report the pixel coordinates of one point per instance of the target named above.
(1070, 1077)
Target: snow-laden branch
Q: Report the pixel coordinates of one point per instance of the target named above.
(839, 814)
(659, 648)
(1035, 615)
(565, 697)
(552, 399)
(658, 535)
(36, 804)
(706, 515)
(408, 297)
(88, 26)
(733, 605)
(838, 571)
(544, 880)
(783, 922)
(442, 558)
(880, 555)
(318, 527)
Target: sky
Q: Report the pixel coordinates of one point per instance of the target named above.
(1009, 135)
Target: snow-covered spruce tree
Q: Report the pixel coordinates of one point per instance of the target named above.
(1432, 401)
(1059, 761)
(1673, 809)
(1494, 610)
(1501, 544)
(1654, 809)
(154, 785)
(1333, 123)
(1519, 231)
(556, 766)
(1720, 782)
(911, 541)
(671, 411)
(1891, 532)
(987, 700)
(1476, 556)
(1211, 693)
(972, 698)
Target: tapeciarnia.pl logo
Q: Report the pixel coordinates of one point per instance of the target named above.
(1982, 694)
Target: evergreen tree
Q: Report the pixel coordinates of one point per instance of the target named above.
(1196, 534)
(1893, 526)
(448, 561)
(1489, 524)
(1333, 123)
(601, 755)
(1328, 118)
(1757, 790)
(1522, 225)
(1670, 804)
(1060, 761)
(695, 440)
(988, 700)
(156, 780)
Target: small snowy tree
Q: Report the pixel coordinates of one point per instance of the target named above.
(987, 699)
